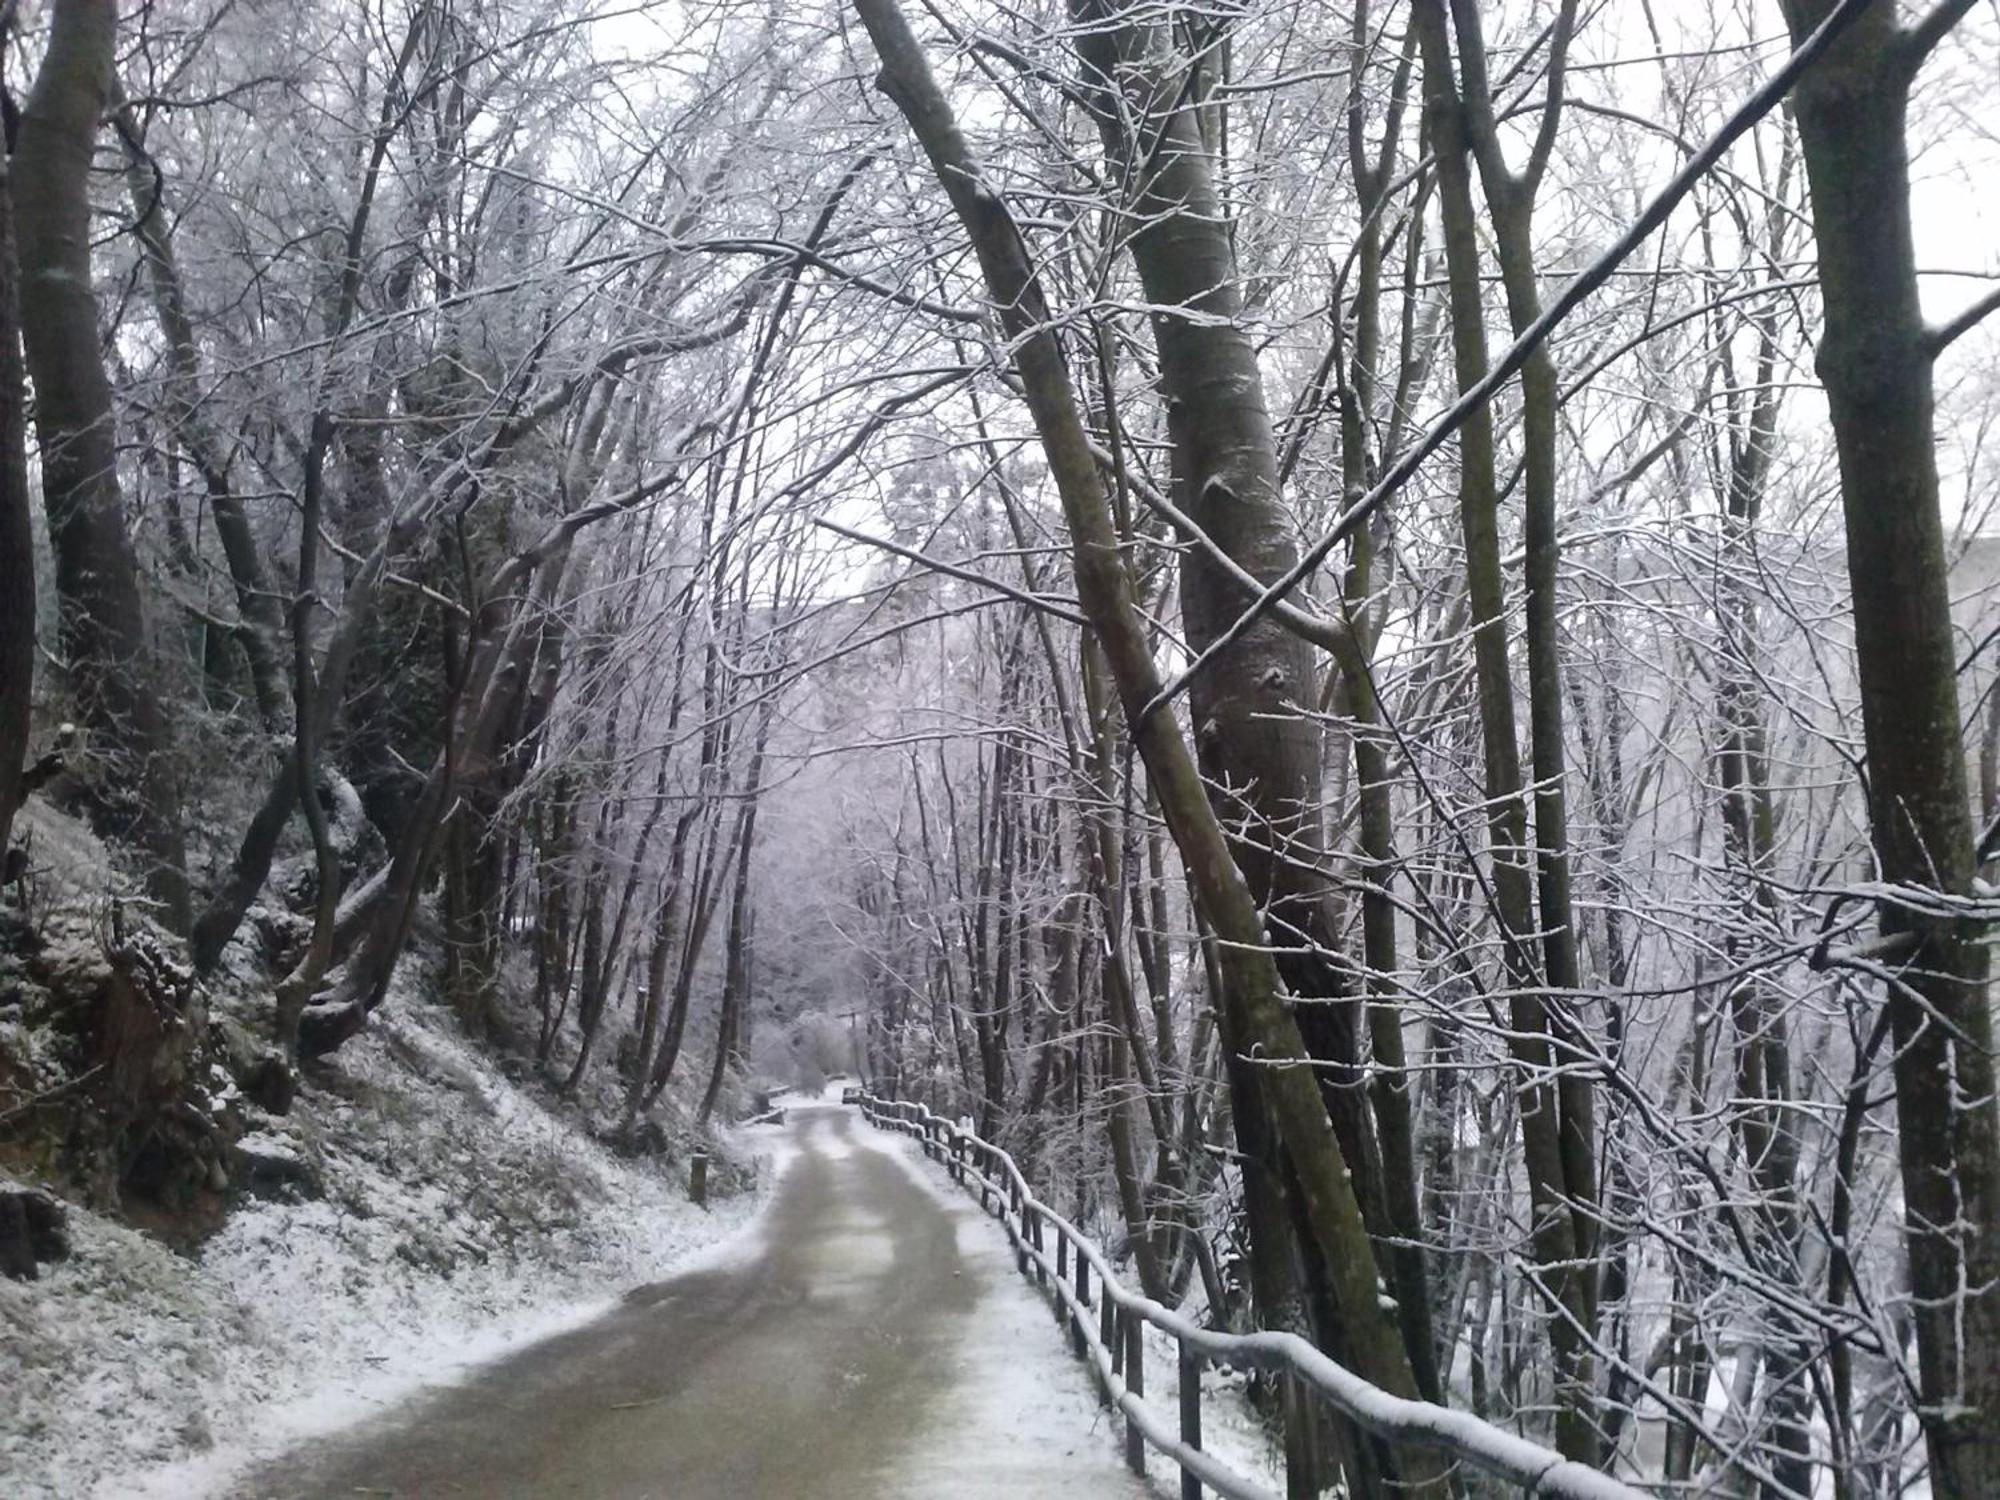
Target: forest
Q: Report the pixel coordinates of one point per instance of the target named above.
(1366, 630)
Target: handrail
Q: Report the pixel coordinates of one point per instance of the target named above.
(1116, 1351)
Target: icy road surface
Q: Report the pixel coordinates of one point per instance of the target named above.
(877, 1344)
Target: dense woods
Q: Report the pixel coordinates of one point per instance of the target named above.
(1365, 630)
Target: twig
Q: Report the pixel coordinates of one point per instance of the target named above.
(51, 1095)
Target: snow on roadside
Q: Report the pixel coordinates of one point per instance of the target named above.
(461, 1218)
(1021, 1410)
(1042, 1398)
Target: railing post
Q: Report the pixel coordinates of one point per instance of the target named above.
(1107, 1332)
(1190, 1378)
(1063, 1317)
(1082, 1299)
(1041, 1267)
(1078, 1339)
(1135, 1382)
(1302, 1465)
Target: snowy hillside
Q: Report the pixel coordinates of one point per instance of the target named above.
(422, 1205)
(442, 1215)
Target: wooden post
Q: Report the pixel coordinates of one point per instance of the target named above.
(1107, 1332)
(1190, 1376)
(1076, 1334)
(1059, 1302)
(1135, 1382)
(698, 1179)
(1301, 1450)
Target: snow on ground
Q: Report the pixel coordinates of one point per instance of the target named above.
(1231, 1429)
(461, 1218)
(1024, 1398)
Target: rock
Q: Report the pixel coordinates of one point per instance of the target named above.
(267, 1166)
(196, 1433)
(34, 1228)
(281, 937)
(18, 933)
(259, 1069)
(268, 1083)
(647, 1138)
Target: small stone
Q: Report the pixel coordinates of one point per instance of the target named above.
(34, 1228)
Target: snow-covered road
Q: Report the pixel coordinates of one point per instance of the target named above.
(875, 1343)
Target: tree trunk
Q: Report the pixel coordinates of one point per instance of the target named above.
(17, 541)
(1559, 1270)
(1254, 1018)
(1875, 361)
(113, 674)
(261, 617)
(502, 653)
(736, 946)
(1250, 737)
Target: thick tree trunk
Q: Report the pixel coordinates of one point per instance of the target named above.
(1254, 1018)
(1875, 362)
(17, 541)
(1259, 754)
(503, 653)
(115, 679)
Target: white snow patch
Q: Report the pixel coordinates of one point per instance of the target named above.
(463, 1220)
(1021, 1409)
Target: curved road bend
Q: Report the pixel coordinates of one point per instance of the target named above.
(832, 1366)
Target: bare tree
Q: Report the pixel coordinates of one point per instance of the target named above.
(104, 633)
(1875, 360)
(17, 541)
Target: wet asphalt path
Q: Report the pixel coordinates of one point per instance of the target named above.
(808, 1368)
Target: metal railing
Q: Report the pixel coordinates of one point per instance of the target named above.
(1105, 1322)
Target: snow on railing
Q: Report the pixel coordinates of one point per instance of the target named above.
(1115, 1346)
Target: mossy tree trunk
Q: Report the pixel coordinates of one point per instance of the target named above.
(17, 541)
(103, 618)
(1875, 362)
(1253, 1012)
